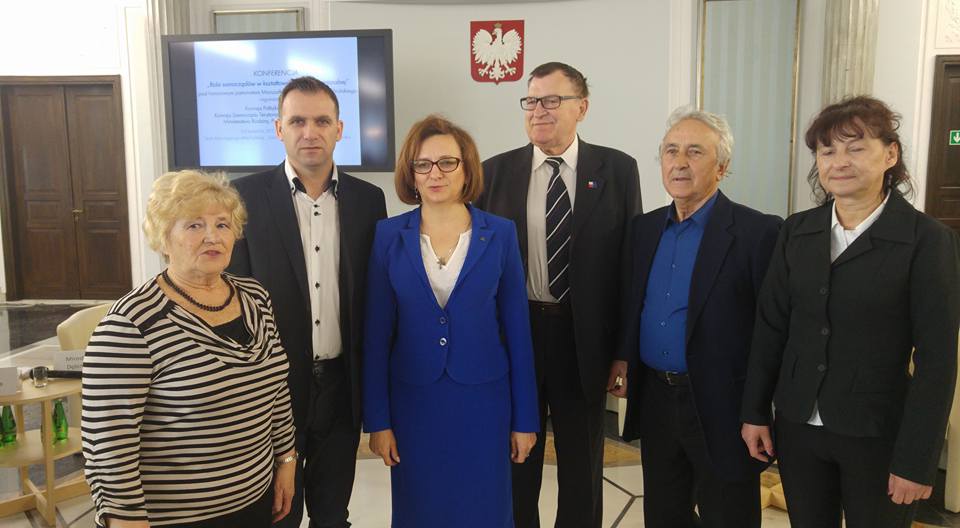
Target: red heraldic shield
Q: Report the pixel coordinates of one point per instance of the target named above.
(496, 50)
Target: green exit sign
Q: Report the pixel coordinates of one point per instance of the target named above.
(955, 137)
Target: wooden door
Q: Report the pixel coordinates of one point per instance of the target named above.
(943, 172)
(95, 133)
(44, 233)
(68, 191)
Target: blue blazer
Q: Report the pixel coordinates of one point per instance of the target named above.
(481, 335)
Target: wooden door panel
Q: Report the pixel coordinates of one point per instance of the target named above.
(47, 273)
(95, 131)
(943, 174)
(102, 278)
(43, 214)
(44, 233)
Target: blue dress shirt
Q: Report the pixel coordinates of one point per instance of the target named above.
(663, 321)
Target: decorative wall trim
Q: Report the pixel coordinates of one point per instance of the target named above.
(948, 24)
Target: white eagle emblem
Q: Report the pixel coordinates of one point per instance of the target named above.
(494, 53)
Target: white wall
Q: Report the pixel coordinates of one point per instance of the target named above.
(620, 45)
(639, 64)
(77, 38)
(941, 36)
(902, 77)
(897, 74)
(637, 55)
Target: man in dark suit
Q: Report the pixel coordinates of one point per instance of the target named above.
(308, 241)
(571, 202)
(697, 266)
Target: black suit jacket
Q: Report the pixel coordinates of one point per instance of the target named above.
(840, 335)
(731, 263)
(607, 197)
(271, 252)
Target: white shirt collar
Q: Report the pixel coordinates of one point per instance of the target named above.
(864, 225)
(569, 156)
(292, 173)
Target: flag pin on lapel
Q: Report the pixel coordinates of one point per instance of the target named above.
(592, 184)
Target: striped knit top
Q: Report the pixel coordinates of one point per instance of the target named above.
(180, 424)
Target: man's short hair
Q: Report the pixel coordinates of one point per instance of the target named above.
(715, 122)
(577, 78)
(310, 85)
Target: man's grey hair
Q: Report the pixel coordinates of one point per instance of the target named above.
(716, 122)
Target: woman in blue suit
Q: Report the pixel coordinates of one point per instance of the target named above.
(448, 379)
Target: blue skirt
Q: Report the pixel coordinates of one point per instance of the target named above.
(454, 445)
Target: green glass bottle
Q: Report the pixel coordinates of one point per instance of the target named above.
(60, 427)
(8, 426)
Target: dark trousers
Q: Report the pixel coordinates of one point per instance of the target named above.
(329, 447)
(259, 514)
(826, 475)
(677, 473)
(577, 430)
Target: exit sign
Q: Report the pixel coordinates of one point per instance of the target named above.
(955, 137)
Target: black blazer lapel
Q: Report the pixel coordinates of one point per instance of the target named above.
(347, 213)
(895, 223)
(516, 199)
(816, 259)
(590, 186)
(647, 230)
(281, 206)
(646, 241)
(714, 245)
(860, 246)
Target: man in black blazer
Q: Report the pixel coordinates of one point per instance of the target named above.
(308, 241)
(697, 266)
(571, 202)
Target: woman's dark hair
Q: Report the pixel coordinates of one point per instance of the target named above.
(435, 125)
(858, 117)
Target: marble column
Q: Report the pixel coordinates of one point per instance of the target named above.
(850, 47)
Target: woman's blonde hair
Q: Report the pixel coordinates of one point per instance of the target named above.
(185, 194)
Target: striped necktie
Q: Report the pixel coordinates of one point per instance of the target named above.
(558, 232)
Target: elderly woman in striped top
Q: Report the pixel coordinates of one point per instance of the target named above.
(186, 412)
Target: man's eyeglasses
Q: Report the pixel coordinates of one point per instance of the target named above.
(549, 102)
(424, 166)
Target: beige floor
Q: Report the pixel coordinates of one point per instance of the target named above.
(370, 505)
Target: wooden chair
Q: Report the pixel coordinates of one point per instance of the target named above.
(74, 334)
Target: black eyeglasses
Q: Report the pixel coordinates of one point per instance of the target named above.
(548, 101)
(424, 166)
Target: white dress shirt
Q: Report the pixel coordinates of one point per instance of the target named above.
(538, 281)
(444, 277)
(320, 235)
(840, 240)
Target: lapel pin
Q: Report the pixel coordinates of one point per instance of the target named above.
(592, 185)
(483, 239)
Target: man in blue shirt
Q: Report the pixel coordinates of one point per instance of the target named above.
(695, 271)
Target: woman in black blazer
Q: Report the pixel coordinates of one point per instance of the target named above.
(857, 287)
